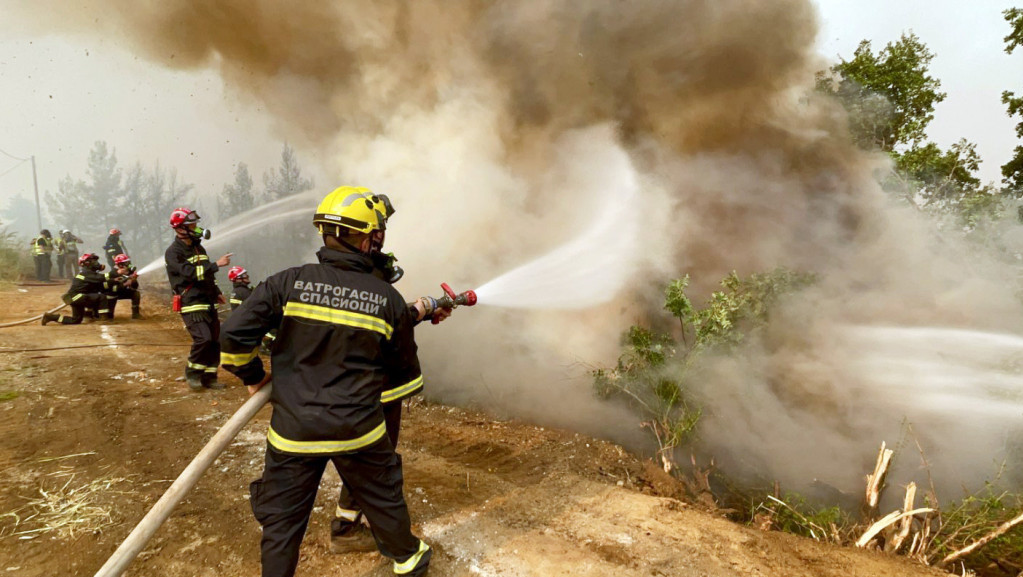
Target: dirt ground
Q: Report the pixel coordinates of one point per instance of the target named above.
(95, 434)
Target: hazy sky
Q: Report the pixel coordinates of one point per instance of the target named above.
(60, 95)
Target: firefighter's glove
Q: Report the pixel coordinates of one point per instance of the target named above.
(424, 307)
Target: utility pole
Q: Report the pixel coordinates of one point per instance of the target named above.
(35, 185)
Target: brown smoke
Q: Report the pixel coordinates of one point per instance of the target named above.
(469, 114)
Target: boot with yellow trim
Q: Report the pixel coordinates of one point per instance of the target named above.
(348, 534)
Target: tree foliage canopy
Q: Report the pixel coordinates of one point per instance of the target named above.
(238, 197)
(1012, 171)
(287, 180)
(890, 96)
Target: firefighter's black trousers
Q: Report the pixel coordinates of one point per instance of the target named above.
(392, 417)
(43, 266)
(111, 253)
(283, 499)
(204, 358)
(125, 293)
(94, 301)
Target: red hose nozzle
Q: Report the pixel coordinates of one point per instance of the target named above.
(468, 298)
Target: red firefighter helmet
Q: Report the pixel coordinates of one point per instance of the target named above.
(121, 259)
(182, 216)
(236, 272)
(115, 231)
(86, 258)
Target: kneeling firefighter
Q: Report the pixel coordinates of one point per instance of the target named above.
(127, 285)
(88, 291)
(344, 337)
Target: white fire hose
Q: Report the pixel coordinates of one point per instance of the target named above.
(143, 532)
(35, 318)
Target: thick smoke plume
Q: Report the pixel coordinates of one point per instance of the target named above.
(483, 121)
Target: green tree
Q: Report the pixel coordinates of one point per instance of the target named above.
(149, 198)
(105, 187)
(238, 197)
(90, 206)
(287, 180)
(67, 206)
(890, 96)
(1012, 171)
(21, 214)
(941, 177)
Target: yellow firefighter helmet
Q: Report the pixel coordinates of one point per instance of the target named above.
(352, 207)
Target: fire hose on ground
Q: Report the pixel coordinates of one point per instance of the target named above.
(143, 532)
(35, 318)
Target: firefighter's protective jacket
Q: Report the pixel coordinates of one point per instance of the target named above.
(124, 279)
(114, 246)
(190, 273)
(344, 344)
(240, 291)
(89, 281)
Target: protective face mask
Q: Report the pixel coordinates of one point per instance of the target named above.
(201, 232)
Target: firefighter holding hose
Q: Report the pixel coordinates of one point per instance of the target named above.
(348, 533)
(88, 291)
(344, 339)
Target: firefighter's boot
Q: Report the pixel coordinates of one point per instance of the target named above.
(209, 380)
(351, 536)
(50, 318)
(136, 314)
(214, 384)
(194, 382)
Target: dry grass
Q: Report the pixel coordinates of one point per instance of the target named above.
(66, 510)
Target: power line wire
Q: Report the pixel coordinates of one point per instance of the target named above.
(14, 157)
(2, 174)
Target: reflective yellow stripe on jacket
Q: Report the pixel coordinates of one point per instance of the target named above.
(325, 447)
(403, 391)
(195, 308)
(347, 318)
(200, 270)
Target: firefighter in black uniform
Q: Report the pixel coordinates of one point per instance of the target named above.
(240, 289)
(114, 246)
(344, 338)
(190, 273)
(88, 291)
(347, 532)
(126, 287)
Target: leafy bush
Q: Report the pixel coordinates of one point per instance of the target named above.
(793, 514)
(963, 522)
(652, 369)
